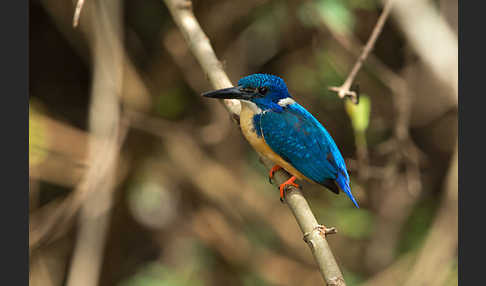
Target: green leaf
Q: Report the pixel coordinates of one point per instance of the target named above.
(360, 113)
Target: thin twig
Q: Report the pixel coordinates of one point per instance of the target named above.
(402, 96)
(199, 44)
(344, 89)
(77, 12)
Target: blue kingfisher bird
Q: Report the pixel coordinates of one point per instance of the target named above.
(283, 131)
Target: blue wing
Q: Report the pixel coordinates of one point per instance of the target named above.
(301, 140)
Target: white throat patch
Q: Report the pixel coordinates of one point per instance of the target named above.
(252, 106)
(286, 101)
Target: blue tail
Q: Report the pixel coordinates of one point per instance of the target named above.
(343, 183)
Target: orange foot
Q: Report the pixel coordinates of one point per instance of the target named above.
(272, 172)
(286, 183)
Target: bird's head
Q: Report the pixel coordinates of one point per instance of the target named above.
(264, 90)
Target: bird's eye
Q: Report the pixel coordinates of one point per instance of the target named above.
(262, 90)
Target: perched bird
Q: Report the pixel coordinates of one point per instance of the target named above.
(283, 131)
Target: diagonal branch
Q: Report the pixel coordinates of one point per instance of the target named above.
(344, 89)
(201, 48)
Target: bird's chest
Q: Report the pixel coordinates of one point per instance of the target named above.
(248, 128)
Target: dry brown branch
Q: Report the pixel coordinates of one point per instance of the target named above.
(174, 43)
(201, 48)
(344, 89)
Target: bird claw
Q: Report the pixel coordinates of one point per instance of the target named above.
(283, 187)
(272, 172)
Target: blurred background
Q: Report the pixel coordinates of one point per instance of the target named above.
(135, 179)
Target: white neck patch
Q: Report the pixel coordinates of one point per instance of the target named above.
(252, 106)
(286, 101)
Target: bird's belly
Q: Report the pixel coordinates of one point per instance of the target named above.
(259, 144)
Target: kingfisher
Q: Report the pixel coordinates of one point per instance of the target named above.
(284, 132)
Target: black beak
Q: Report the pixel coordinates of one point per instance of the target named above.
(236, 92)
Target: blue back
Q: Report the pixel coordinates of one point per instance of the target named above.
(301, 140)
(296, 136)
